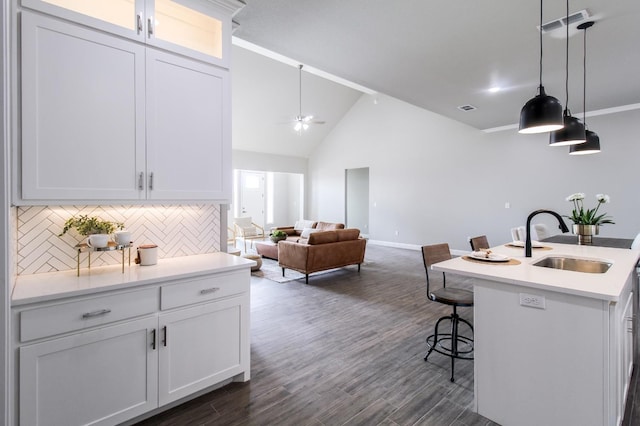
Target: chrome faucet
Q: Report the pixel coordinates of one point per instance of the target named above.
(527, 243)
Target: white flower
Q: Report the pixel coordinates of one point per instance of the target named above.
(603, 198)
(576, 196)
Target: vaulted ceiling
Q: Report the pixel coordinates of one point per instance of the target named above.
(435, 55)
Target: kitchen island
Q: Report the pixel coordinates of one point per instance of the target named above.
(552, 347)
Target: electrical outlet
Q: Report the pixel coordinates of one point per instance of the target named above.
(532, 301)
(507, 205)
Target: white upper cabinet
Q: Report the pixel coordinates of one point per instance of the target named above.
(187, 129)
(82, 108)
(195, 28)
(109, 119)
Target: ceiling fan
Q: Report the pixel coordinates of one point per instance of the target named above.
(301, 122)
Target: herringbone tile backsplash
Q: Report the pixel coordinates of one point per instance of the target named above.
(177, 230)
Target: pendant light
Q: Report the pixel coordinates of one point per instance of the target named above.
(573, 131)
(543, 113)
(592, 145)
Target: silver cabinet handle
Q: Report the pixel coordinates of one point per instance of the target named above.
(95, 313)
(139, 22)
(141, 181)
(150, 27)
(151, 181)
(153, 339)
(209, 290)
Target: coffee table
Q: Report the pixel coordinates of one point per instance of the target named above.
(267, 249)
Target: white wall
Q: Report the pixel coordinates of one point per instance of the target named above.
(434, 180)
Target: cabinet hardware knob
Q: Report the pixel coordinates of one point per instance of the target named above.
(139, 22)
(209, 290)
(95, 313)
(153, 339)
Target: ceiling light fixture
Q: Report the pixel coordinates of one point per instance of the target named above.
(543, 113)
(592, 145)
(573, 131)
(301, 122)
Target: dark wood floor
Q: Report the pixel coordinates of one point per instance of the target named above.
(346, 349)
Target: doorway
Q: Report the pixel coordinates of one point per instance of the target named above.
(270, 198)
(357, 199)
(251, 199)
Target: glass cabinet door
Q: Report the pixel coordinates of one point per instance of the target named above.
(122, 17)
(186, 26)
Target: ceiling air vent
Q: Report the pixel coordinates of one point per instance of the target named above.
(574, 18)
(466, 108)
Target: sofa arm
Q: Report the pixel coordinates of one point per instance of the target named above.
(293, 255)
(288, 229)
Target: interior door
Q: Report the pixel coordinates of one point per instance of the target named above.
(252, 200)
(357, 199)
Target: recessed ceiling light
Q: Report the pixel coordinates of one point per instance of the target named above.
(494, 89)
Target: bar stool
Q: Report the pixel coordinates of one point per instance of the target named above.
(450, 344)
(479, 242)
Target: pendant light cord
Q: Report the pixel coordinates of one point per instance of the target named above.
(566, 78)
(540, 86)
(584, 79)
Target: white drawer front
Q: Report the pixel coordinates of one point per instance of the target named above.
(56, 319)
(203, 289)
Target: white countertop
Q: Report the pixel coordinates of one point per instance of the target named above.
(56, 285)
(607, 286)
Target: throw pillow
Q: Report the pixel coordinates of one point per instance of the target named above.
(301, 224)
(308, 231)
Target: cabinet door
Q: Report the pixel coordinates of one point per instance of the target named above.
(202, 346)
(188, 129)
(122, 17)
(104, 376)
(82, 113)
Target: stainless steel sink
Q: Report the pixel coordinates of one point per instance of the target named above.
(574, 264)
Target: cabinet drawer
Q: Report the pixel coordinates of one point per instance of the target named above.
(56, 319)
(202, 289)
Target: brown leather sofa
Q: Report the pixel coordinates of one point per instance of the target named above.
(322, 250)
(295, 233)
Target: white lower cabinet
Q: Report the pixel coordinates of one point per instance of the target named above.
(99, 377)
(200, 346)
(110, 359)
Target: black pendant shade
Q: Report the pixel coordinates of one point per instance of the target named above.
(591, 146)
(541, 114)
(572, 133)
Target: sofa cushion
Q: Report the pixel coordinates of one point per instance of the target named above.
(328, 226)
(348, 234)
(323, 237)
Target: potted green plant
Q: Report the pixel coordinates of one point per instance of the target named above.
(278, 235)
(88, 226)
